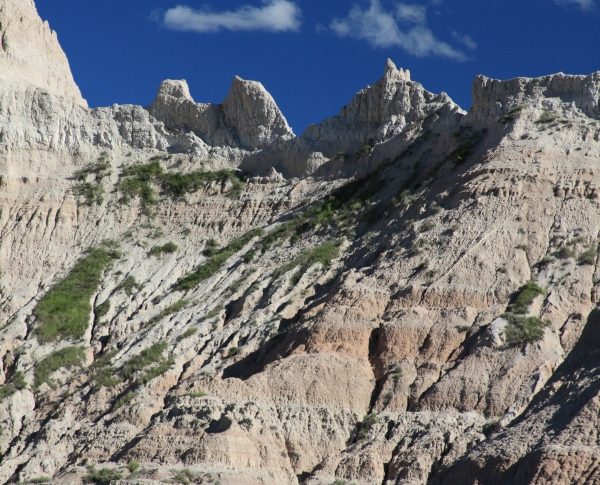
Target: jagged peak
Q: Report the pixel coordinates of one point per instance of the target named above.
(175, 88)
(392, 73)
(30, 53)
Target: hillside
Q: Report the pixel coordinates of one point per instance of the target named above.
(405, 293)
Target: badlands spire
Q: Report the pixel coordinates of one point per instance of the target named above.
(30, 53)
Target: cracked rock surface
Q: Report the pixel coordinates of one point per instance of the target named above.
(190, 293)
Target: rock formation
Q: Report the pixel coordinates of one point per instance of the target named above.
(404, 294)
(248, 118)
(30, 53)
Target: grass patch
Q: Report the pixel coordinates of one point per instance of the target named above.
(525, 296)
(523, 330)
(565, 253)
(188, 333)
(140, 181)
(513, 114)
(323, 254)
(129, 285)
(65, 358)
(133, 466)
(172, 308)
(214, 312)
(103, 476)
(64, 312)
(124, 399)
(198, 394)
(588, 257)
(365, 426)
(215, 262)
(144, 359)
(16, 383)
(167, 248)
(89, 181)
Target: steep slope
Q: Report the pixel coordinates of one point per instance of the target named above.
(417, 305)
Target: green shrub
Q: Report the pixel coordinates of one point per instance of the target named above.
(65, 358)
(188, 333)
(215, 262)
(133, 466)
(124, 399)
(588, 257)
(172, 308)
(396, 374)
(513, 114)
(323, 254)
(156, 371)
(92, 191)
(214, 312)
(39, 480)
(364, 150)
(178, 184)
(198, 394)
(365, 426)
(523, 330)
(525, 297)
(565, 253)
(16, 383)
(102, 309)
(143, 360)
(103, 476)
(184, 476)
(139, 181)
(167, 248)
(129, 285)
(64, 312)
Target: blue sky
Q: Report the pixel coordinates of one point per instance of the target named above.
(313, 55)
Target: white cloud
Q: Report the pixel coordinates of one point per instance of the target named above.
(273, 16)
(582, 4)
(382, 29)
(465, 40)
(412, 13)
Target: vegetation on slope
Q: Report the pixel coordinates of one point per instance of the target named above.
(64, 312)
(522, 328)
(66, 357)
(139, 181)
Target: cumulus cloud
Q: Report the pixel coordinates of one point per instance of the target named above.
(405, 26)
(272, 16)
(582, 4)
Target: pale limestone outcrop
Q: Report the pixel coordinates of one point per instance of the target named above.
(388, 362)
(248, 118)
(30, 53)
(378, 113)
(390, 111)
(493, 98)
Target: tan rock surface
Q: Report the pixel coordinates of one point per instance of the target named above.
(366, 333)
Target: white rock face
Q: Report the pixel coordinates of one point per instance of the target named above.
(30, 52)
(385, 361)
(248, 118)
(378, 112)
(493, 98)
